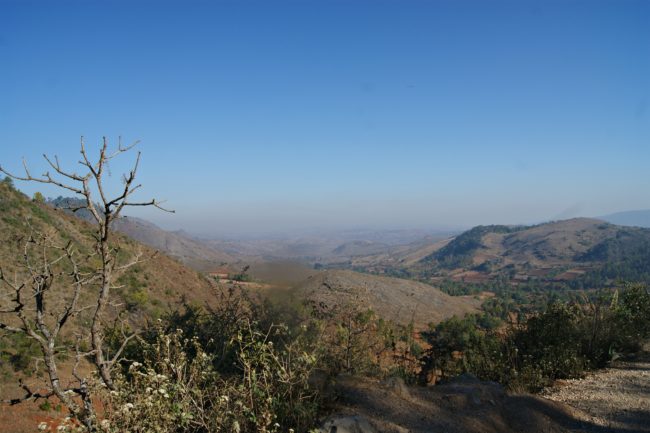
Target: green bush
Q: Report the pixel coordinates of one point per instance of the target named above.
(463, 345)
(631, 317)
(550, 342)
(240, 374)
(136, 299)
(563, 341)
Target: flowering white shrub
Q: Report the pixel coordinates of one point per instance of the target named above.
(172, 391)
(169, 392)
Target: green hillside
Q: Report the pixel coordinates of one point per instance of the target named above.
(148, 289)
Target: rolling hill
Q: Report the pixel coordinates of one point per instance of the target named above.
(179, 245)
(330, 247)
(359, 248)
(391, 298)
(579, 253)
(580, 249)
(550, 244)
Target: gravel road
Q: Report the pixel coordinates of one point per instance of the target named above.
(616, 399)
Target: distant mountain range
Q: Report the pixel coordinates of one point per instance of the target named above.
(324, 247)
(179, 245)
(636, 218)
(209, 254)
(595, 251)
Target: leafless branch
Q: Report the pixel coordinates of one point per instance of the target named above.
(40, 312)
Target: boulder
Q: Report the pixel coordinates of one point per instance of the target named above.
(347, 424)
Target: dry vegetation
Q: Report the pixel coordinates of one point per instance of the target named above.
(104, 340)
(397, 300)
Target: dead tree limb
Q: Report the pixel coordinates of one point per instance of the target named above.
(30, 301)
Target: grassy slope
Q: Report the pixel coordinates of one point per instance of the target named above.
(149, 289)
(576, 242)
(161, 277)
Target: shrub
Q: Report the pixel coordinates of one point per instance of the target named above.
(136, 299)
(631, 317)
(169, 392)
(221, 370)
(551, 342)
(563, 341)
(461, 345)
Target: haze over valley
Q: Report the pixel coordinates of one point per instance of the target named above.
(324, 216)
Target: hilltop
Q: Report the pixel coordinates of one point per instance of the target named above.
(580, 252)
(551, 244)
(393, 299)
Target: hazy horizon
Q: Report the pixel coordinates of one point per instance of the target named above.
(270, 117)
(220, 226)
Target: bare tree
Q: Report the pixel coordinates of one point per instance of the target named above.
(57, 278)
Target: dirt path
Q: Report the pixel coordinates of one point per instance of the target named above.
(465, 405)
(616, 399)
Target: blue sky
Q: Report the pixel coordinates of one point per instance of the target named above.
(277, 115)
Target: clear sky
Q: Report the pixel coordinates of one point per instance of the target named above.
(276, 115)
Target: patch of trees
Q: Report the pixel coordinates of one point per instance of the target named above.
(626, 258)
(242, 276)
(563, 341)
(458, 253)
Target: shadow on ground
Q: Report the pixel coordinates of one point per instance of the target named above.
(465, 405)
